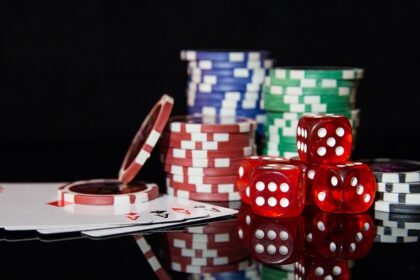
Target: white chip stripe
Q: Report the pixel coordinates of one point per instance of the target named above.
(231, 196)
(381, 230)
(395, 239)
(386, 206)
(401, 198)
(399, 187)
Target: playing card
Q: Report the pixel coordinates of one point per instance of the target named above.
(165, 209)
(211, 210)
(35, 206)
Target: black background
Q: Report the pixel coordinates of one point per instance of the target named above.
(78, 78)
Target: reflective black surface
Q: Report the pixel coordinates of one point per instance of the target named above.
(71, 256)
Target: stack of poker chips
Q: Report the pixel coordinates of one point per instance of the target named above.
(226, 83)
(201, 155)
(289, 93)
(397, 204)
(208, 250)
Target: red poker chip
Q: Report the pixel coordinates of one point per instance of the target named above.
(194, 124)
(107, 192)
(206, 237)
(225, 260)
(151, 258)
(176, 266)
(169, 153)
(208, 137)
(203, 196)
(201, 179)
(199, 171)
(203, 162)
(207, 146)
(146, 138)
(203, 188)
(209, 253)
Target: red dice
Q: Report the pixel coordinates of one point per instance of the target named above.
(309, 172)
(247, 168)
(344, 188)
(271, 240)
(317, 267)
(341, 236)
(324, 138)
(277, 190)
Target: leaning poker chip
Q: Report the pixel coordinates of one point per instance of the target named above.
(395, 239)
(232, 72)
(224, 55)
(199, 171)
(184, 179)
(299, 91)
(338, 73)
(202, 162)
(151, 258)
(386, 206)
(203, 196)
(380, 230)
(395, 170)
(404, 198)
(250, 64)
(205, 145)
(207, 261)
(176, 266)
(208, 137)
(209, 253)
(311, 83)
(202, 87)
(169, 153)
(203, 188)
(146, 138)
(213, 124)
(107, 192)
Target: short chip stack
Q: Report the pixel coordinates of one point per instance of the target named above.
(201, 155)
(226, 83)
(289, 93)
(397, 204)
(210, 249)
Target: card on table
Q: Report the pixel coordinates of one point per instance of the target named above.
(35, 206)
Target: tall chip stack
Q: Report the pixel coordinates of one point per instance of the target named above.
(227, 83)
(291, 92)
(201, 155)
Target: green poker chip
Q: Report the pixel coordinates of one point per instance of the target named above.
(306, 108)
(307, 99)
(311, 83)
(338, 73)
(289, 90)
(272, 273)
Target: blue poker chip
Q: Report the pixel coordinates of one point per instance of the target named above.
(211, 65)
(232, 72)
(240, 104)
(223, 87)
(229, 95)
(216, 111)
(224, 55)
(213, 80)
